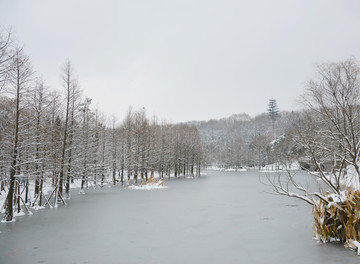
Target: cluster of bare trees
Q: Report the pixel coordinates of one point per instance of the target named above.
(326, 134)
(147, 147)
(56, 136)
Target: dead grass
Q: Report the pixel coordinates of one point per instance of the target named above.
(339, 221)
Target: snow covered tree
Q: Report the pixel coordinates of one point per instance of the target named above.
(5, 57)
(68, 82)
(20, 76)
(129, 131)
(72, 129)
(55, 128)
(328, 133)
(114, 140)
(6, 125)
(39, 108)
(85, 108)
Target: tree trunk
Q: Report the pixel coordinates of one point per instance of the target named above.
(9, 214)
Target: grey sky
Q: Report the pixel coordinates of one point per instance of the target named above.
(185, 60)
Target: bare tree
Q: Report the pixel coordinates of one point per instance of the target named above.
(114, 148)
(328, 134)
(6, 56)
(129, 131)
(73, 107)
(19, 76)
(68, 81)
(39, 106)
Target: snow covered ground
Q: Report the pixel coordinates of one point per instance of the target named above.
(279, 167)
(229, 169)
(149, 186)
(276, 167)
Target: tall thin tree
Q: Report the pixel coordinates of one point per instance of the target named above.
(20, 77)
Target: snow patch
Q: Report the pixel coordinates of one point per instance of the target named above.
(4, 221)
(350, 178)
(36, 207)
(353, 244)
(148, 186)
(280, 167)
(223, 169)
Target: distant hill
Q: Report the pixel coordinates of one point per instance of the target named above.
(236, 140)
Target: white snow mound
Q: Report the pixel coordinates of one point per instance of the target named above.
(148, 186)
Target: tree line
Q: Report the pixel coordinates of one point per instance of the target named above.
(56, 136)
(243, 141)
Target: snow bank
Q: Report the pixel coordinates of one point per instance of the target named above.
(229, 169)
(148, 186)
(280, 167)
(350, 178)
(353, 244)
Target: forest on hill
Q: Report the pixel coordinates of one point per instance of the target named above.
(241, 140)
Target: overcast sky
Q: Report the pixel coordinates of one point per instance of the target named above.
(185, 60)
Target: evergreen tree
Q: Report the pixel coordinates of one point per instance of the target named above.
(273, 112)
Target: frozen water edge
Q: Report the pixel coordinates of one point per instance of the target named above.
(47, 189)
(76, 186)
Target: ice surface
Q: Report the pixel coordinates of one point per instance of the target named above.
(223, 217)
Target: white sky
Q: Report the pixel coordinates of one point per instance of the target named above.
(185, 60)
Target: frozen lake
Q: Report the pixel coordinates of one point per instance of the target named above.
(223, 217)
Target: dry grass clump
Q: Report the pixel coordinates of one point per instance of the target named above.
(152, 181)
(338, 219)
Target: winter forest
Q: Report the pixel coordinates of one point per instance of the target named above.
(244, 188)
(57, 136)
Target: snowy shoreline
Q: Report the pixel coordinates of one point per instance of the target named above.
(75, 186)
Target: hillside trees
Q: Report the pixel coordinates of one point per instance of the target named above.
(233, 142)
